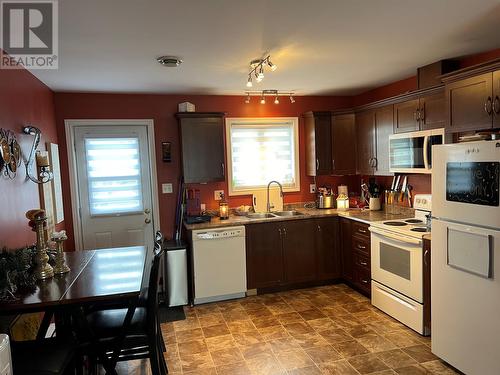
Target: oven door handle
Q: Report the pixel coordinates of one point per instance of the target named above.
(426, 152)
(394, 237)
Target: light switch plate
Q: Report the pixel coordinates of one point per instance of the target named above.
(217, 194)
(166, 188)
(312, 188)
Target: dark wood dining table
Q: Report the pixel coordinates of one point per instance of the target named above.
(113, 275)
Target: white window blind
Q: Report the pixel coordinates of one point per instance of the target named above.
(261, 151)
(114, 175)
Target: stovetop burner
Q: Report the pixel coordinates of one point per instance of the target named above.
(395, 223)
(419, 229)
(414, 221)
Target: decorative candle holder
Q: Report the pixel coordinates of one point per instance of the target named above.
(43, 270)
(60, 266)
(223, 209)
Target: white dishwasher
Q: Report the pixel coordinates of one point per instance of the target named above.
(219, 264)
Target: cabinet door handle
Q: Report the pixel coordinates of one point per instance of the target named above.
(418, 114)
(333, 164)
(370, 162)
(375, 162)
(223, 169)
(319, 228)
(284, 231)
(363, 263)
(362, 230)
(364, 281)
(317, 164)
(496, 105)
(361, 247)
(421, 114)
(487, 106)
(279, 230)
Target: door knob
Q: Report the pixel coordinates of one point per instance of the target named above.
(147, 220)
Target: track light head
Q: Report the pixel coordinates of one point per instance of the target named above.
(292, 100)
(271, 65)
(247, 100)
(276, 100)
(262, 100)
(249, 82)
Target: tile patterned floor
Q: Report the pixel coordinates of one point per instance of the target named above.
(324, 330)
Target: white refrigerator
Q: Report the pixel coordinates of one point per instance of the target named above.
(465, 256)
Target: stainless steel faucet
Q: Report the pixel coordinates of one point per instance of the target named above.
(281, 194)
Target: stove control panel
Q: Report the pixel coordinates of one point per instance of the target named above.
(423, 202)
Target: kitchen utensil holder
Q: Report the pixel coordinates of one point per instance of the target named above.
(392, 201)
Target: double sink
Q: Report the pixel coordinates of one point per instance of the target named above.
(271, 215)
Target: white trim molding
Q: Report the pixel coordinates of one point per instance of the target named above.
(70, 126)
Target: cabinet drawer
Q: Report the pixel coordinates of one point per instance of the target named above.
(360, 230)
(362, 278)
(362, 261)
(361, 245)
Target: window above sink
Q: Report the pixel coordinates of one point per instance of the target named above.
(260, 150)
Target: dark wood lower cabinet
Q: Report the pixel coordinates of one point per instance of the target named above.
(292, 252)
(307, 252)
(264, 255)
(328, 248)
(299, 251)
(346, 249)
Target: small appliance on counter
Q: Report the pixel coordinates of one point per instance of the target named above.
(193, 208)
(325, 198)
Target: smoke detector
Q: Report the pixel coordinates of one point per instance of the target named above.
(170, 61)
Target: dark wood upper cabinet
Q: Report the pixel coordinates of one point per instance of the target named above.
(432, 111)
(318, 136)
(202, 134)
(328, 248)
(383, 129)
(496, 99)
(264, 255)
(346, 253)
(343, 144)
(469, 103)
(405, 116)
(365, 142)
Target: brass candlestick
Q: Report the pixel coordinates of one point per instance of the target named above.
(43, 270)
(60, 266)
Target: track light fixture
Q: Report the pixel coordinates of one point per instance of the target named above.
(257, 69)
(273, 93)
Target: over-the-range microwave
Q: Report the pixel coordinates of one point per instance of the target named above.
(412, 152)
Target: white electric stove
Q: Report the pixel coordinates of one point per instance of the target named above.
(397, 265)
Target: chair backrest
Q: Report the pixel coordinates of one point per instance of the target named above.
(159, 237)
(152, 297)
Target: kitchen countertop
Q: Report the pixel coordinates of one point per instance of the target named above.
(364, 216)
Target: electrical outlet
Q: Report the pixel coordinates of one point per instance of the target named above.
(217, 194)
(312, 188)
(166, 188)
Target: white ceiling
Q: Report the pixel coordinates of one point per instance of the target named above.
(320, 46)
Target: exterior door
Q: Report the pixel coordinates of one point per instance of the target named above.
(114, 186)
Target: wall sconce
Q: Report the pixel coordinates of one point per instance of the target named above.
(42, 166)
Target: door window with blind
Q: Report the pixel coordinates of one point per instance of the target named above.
(114, 175)
(260, 150)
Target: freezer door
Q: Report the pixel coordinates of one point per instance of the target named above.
(465, 292)
(465, 183)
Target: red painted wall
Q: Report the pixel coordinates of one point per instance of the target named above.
(23, 99)
(161, 108)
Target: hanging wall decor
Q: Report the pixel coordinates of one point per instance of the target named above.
(10, 154)
(42, 166)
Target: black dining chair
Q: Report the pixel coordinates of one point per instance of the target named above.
(141, 339)
(43, 357)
